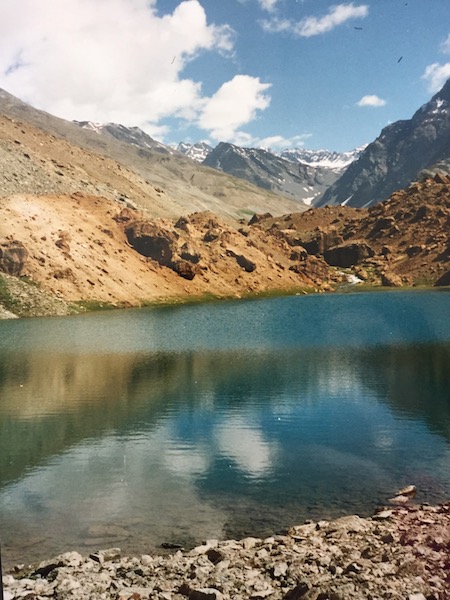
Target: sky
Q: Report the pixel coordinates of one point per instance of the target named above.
(276, 74)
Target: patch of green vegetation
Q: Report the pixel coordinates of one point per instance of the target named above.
(29, 281)
(94, 305)
(423, 281)
(245, 211)
(208, 297)
(182, 300)
(6, 299)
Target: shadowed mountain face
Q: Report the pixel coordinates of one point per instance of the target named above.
(289, 177)
(397, 156)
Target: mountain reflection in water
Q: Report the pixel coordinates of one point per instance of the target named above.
(158, 445)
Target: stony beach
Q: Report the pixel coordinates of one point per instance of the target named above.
(401, 553)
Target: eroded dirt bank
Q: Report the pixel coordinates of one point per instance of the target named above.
(400, 553)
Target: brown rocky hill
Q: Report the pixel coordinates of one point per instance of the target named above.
(402, 241)
(78, 248)
(87, 248)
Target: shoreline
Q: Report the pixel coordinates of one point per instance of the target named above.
(401, 552)
(89, 307)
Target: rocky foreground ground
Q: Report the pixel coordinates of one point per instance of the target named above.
(400, 553)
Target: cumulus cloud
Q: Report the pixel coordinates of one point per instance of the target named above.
(371, 100)
(121, 61)
(312, 25)
(268, 5)
(436, 75)
(234, 104)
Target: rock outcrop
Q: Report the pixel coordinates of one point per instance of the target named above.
(348, 254)
(402, 241)
(13, 257)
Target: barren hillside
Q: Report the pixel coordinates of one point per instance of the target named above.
(42, 154)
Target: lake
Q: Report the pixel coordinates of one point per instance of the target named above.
(134, 428)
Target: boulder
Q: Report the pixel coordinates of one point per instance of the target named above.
(152, 241)
(381, 225)
(348, 254)
(389, 279)
(189, 253)
(444, 280)
(126, 215)
(183, 224)
(244, 262)
(291, 236)
(257, 218)
(322, 239)
(13, 257)
(185, 269)
(299, 253)
(212, 234)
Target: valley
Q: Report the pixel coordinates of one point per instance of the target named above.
(98, 216)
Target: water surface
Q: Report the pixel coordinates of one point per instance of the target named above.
(138, 427)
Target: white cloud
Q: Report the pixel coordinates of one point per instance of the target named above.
(436, 75)
(311, 26)
(233, 105)
(371, 100)
(108, 60)
(268, 5)
(278, 142)
(277, 25)
(445, 46)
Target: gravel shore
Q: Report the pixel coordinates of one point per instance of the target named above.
(399, 553)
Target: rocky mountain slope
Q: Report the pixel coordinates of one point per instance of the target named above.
(297, 173)
(42, 154)
(292, 179)
(397, 156)
(404, 240)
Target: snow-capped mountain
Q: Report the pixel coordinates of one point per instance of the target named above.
(298, 173)
(322, 158)
(197, 152)
(132, 135)
(292, 179)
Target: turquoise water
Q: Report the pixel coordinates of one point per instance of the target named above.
(138, 427)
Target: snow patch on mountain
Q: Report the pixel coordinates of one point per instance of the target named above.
(323, 158)
(314, 158)
(197, 152)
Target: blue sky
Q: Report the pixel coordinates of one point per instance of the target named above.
(271, 73)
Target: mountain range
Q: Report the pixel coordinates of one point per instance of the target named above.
(403, 152)
(298, 173)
